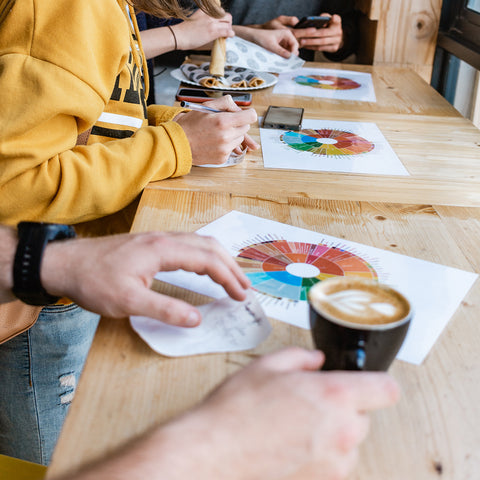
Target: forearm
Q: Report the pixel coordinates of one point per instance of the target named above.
(246, 32)
(8, 245)
(157, 41)
(177, 451)
(85, 183)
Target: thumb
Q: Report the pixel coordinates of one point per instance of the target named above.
(293, 359)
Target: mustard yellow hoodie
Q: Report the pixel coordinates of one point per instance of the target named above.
(67, 66)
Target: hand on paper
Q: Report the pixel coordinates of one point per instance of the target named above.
(279, 41)
(213, 136)
(112, 275)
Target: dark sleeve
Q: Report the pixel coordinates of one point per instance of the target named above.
(346, 9)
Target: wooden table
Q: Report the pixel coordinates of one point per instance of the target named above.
(397, 90)
(435, 143)
(433, 433)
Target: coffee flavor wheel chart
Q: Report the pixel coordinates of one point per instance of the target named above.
(327, 142)
(327, 82)
(284, 269)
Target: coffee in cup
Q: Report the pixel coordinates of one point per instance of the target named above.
(359, 324)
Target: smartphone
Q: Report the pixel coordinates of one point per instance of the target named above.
(317, 22)
(283, 118)
(202, 95)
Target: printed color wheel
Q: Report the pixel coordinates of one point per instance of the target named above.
(327, 142)
(285, 269)
(327, 82)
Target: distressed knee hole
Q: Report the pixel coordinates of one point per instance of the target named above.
(67, 381)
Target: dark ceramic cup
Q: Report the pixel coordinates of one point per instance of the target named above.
(359, 324)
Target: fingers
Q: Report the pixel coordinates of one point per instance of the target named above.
(250, 143)
(205, 256)
(370, 390)
(162, 307)
(292, 359)
(327, 39)
(224, 103)
(287, 21)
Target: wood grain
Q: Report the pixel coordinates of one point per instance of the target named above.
(397, 90)
(126, 388)
(440, 153)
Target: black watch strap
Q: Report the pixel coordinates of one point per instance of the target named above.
(33, 237)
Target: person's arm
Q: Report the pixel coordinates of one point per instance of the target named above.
(197, 31)
(277, 418)
(8, 246)
(113, 275)
(49, 98)
(280, 41)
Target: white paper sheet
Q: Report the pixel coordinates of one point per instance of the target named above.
(434, 290)
(327, 83)
(227, 326)
(331, 146)
(242, 53)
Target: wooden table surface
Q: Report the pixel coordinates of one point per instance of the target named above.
(434, 431)
(126, 387)
(434, 142)
(397, 90)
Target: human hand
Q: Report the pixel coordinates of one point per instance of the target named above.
(280, 41)
(277, 418)
(213, 136)
(328, 39)
(112, 275)
(282, 21)
(200, 29)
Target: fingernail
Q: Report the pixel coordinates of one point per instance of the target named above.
(193, 319)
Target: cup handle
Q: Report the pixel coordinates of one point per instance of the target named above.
(356, 359)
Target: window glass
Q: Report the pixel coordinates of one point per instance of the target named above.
(474, 5)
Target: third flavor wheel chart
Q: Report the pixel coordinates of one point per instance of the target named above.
(284, 269)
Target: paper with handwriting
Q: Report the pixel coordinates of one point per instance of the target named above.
(227, 326)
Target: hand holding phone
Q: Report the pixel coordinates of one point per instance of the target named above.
(312, 21)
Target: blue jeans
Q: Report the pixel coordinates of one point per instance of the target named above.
(39, 371)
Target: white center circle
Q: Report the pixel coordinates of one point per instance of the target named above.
(304, 270)
(326, 82)
(329, 141)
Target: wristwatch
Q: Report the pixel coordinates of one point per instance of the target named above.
(33, 237)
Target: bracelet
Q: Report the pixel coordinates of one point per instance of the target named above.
(174, 36)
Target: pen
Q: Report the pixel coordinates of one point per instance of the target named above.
(199, 107)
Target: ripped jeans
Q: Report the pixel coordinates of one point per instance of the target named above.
(39, 370)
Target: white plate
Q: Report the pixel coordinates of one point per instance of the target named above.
(268, 77)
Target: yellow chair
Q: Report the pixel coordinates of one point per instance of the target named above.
(15, 469)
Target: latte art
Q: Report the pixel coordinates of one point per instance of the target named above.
(361, 303)
(358, 301)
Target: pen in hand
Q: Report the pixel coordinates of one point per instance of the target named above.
(199, 107)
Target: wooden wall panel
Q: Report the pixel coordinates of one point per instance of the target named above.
(405, 32)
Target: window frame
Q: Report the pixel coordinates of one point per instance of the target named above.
(459, 32)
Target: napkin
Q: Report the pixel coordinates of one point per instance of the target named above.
(227, 326)
(250, 55)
